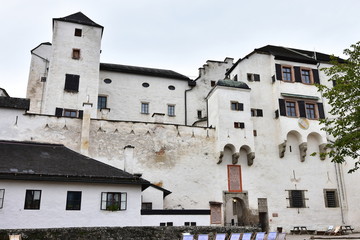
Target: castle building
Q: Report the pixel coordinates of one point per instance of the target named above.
(231, 147)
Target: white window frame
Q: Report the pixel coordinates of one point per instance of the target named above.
(122, 201)
(171, 110)
(145, 106)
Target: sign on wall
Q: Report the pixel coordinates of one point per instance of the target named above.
(234, 178)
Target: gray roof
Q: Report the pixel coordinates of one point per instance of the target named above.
(55, 162)
(17, 103)
(232, 83)
(80, 18)
(142, 71)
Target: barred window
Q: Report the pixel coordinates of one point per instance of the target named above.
(331, 199)
(297, 198)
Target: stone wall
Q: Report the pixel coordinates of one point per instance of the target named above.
(120, 233)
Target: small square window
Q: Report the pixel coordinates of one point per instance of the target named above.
(73, 200)
(199, 114)
(171, 110)
(297, 198)
(310, 110)
(76, 54)
(102, 102)
(291, 109)
(287, 74)
(70, 113)
(239, 125)
(305, 76)
(331, 200)
(146, 205)
(236, 106)
(78, 32)
(145, 108)
(32, 199)
(213, 83)
(2, 193)
(113, 201)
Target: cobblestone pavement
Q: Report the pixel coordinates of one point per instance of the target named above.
(317, 237)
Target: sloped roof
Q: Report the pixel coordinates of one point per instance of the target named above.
(296, 55)
(232, 83)
(17, 103)
(55, 162)
(80, 18)
(3, 91)
(142, 71)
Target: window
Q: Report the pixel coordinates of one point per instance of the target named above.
(70, 113)
(239, 125)
(256, 112)
(310, 110)
(291, 109)
(199, 114)
(145, 108)
(171, 110)
(297, 198)
(171, 87)
(305, 76)
(73, 201)
(253, 77)
(72, 82)
(189, 223)
(236, 106)
(331, 200)
(2, 193)
(32, 199)
(145, 84)
(76, 53)
(113, 201)
(146, 205)
(213, 83)
(286, 74)
(78, 32)
(235, 78)
(102, 101)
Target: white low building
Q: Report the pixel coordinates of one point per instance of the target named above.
(234, 146)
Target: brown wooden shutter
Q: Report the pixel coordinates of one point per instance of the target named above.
(72, 82)
(256, 77)
(282, 107)
(278, 72)
(81, 114)
(321, 110)
(302, 110)
(297, 74)
(316, 76)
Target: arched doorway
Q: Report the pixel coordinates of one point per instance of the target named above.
(236, 209)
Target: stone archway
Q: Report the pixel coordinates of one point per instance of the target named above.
(236, 209)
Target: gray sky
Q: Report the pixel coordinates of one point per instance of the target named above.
(177, 34)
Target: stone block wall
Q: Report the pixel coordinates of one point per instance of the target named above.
(120, 233)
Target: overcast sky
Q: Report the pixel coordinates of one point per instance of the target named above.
(179, 35)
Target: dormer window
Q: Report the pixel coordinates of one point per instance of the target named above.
(78, 32)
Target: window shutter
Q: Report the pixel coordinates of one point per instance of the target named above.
(321, 110)
(103, 200)
(72, 82)
(302, 111)
(259, 112)
(278, 72)
(81, 114)
(240, 106)
(277, 113)
(316, 76)
(282, 107)
(256, 77)
(58, 112)
(297, 74)
(242, 125)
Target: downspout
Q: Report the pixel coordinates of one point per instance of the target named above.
(207, 112)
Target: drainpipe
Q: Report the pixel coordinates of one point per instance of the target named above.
(192, 84)
(340, 187)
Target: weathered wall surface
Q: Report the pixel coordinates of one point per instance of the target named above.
(125, 233)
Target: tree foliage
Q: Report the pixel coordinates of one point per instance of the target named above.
(344, 99)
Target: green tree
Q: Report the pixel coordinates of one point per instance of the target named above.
(344, 98)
